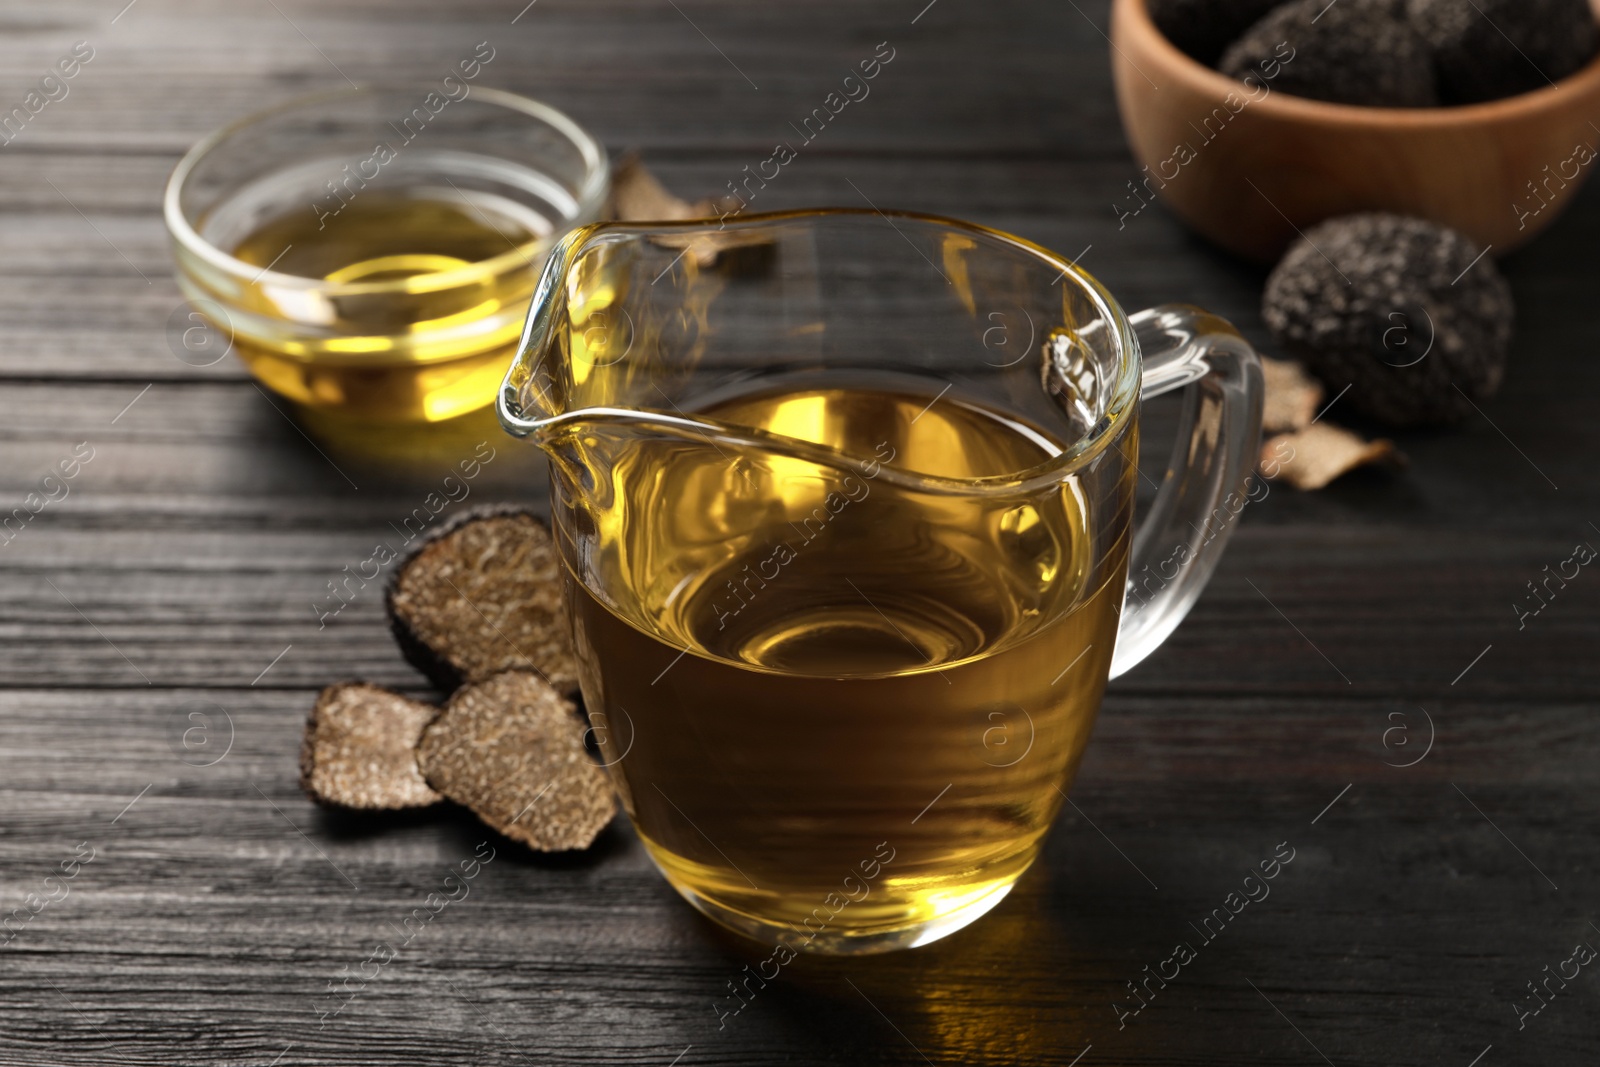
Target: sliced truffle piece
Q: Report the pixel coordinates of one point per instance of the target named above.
(1489, 49)
(1313, 457)
(1411, 316)
(1350, 52)
(1203, 28)
(511, 750)
(482, 595)
(360, 746)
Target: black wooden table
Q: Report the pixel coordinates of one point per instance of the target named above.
(217, 917)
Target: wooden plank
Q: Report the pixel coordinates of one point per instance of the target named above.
(227, 440)
(120, 326)
(189, 553)
(598, 64)
(205, 910)
(216, 606)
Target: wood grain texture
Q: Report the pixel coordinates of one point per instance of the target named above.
(157, 597)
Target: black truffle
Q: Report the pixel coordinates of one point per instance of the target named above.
(1348, 52)
(482, 595)
(1406, 313)
(1204, 28)
(359, 749)
(511, 749)
(1488, 49)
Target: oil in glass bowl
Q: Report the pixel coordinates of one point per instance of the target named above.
(429, 290)
(372, 259)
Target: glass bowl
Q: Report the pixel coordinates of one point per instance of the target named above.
(370, 253)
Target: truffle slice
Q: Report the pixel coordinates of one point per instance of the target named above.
(482, 595)
(1409, 315)
(511, 750)
(1203, 28)
(1349, 52)
(360, 749)
(1488, 49)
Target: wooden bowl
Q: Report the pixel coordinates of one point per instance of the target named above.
(1250, 177)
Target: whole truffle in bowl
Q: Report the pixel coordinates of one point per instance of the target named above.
(1349, 52)
(1411, 316)
(1489, 49)
(1202, 29)
(1286, 162)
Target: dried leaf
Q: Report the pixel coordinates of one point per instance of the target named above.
(511, 749)
(1292, 396)
(638, 196)
(360, 749)
(1313, 457)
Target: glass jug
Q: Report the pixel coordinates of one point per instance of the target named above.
(846, 505)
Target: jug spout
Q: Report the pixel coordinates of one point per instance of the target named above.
(617, 325)
(532, 397)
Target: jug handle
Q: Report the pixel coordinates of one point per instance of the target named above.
(1210, 475)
